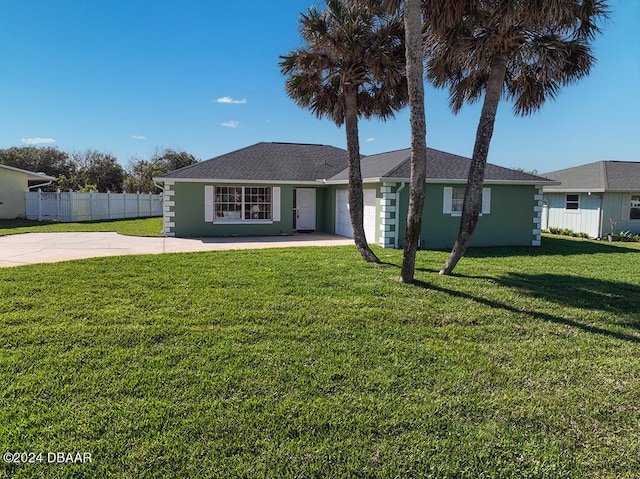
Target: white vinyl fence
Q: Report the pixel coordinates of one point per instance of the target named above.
(72, 207)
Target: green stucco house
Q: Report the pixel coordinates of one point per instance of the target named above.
(282, 188)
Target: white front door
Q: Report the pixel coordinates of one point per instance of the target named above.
(306, 209)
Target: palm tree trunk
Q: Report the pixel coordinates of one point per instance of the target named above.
(356, 195)
(473, 193)
(413, 54)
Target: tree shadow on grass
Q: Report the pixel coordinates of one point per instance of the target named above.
(578, 292)
(571, 291)
(552, 246)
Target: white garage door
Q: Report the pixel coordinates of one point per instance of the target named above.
(343, 221)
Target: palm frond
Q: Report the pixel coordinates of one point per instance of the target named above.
(546, 44)
(349, 43)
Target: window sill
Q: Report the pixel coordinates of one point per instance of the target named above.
(459, 213)
(242, 222)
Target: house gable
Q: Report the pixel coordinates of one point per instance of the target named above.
(442, 167)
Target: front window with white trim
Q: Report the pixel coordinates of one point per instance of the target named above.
(242, 204)
(228, 202)
(453, 200)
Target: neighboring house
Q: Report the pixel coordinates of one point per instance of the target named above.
(14, 183)
(588, 197)
(280, 188)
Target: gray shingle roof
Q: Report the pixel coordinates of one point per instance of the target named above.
(280, 162)
(599, 176)
(440, 166)
(269, 162)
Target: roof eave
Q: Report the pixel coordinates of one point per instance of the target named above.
(346, 182)
(31, 175)
(591, 190)
(547, 189)
(41, 177)
(162, 179)
(486, 182)
(387, 179)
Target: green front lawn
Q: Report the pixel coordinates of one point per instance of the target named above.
(130, 227)
(309, 363)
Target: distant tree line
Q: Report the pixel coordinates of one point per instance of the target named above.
(92, 170)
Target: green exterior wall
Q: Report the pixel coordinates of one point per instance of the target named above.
(188, 213)
(509, 223)
(328, 217)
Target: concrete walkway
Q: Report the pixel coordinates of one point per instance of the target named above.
(31, 248)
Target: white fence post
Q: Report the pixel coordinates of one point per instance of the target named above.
(70, 202)
(39, 205)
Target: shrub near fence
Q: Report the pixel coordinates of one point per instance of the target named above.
(72, 207)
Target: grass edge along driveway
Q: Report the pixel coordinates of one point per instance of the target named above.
(310, 363)
(130, 227)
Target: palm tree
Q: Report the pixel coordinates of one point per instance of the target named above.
(413, 54)
(352, 66)
(436, 12)
(527, 49)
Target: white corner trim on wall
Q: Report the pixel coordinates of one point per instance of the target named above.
(168, 212)
(537, 217)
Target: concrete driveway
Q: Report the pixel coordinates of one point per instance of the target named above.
(31, 248)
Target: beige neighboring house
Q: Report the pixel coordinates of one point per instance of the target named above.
(14, 183)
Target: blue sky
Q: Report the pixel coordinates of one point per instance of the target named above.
(128, 76)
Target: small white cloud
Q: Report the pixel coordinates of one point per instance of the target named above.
(369, 140)
(229, 100)
(37, 141)
(231, 124)
(138, 137)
